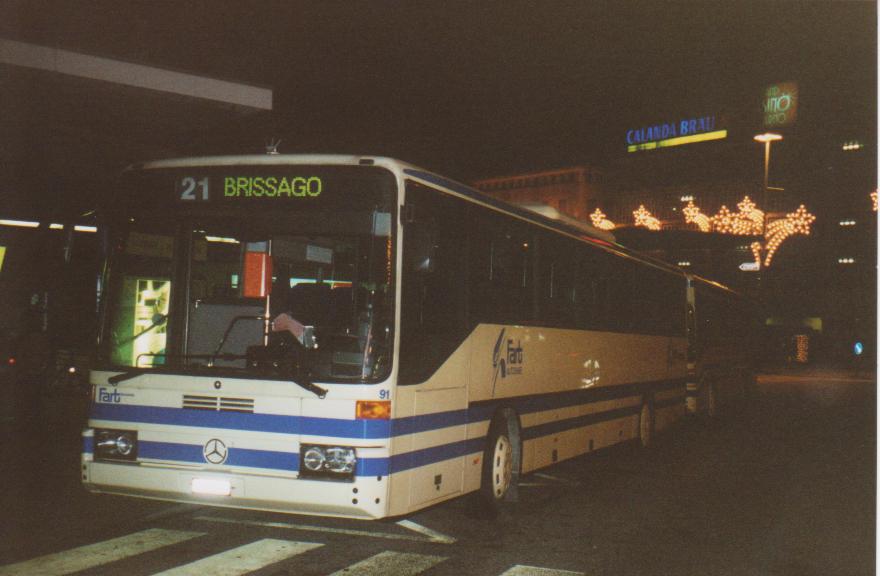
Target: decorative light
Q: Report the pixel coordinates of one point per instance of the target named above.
(756, 252)
(688, 198)
(874, 199)
(852, 145)
(802, 342)
(847, 222)
(750, 220)
(684, 264)
(846, 260)
(693, 215)
(723, 221)
(600, 221)
(644, 218)
(797, 222)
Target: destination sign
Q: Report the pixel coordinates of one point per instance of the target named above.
(297, 187)
(194, 189)
(272, 186)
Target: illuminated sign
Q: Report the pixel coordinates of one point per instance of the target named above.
(667, 134)
(780, 104)
(191, 189)
(297, 186)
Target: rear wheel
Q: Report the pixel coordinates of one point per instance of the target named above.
(498, 464)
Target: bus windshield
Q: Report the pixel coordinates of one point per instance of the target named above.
(259, 285)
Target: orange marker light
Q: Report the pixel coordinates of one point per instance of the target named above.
(373, 409)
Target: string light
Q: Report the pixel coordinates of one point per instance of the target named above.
(802, 341)
(874, 199)
(750, 220)
(600, 221)
(756, 252)
(723, 221)
(645, 219)
(797, 222)
(693, 215)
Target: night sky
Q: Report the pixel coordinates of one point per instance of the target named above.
(477, 89)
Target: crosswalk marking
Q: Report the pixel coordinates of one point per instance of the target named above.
(243, 559)
(311, 528)
(98, 554)
(396, 563)
(520, 570)
(432, 535)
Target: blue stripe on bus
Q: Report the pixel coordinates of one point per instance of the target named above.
(484, 409)
(367, 429)
(558, 426)
(88, 444)
(375, 429)
(289, 461)
(428, 422)
(244, 457)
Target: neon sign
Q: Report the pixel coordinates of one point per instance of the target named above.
(667, 134)
(780, 104)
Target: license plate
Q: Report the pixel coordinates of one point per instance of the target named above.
(211, 486)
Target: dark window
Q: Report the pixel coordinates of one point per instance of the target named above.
(501, 267)
(557, 290)
(434, 289)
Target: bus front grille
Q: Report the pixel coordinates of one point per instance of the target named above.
(222, 404)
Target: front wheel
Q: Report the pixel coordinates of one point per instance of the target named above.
(498, 464)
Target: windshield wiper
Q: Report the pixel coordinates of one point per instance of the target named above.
(311, 387)
(127, 375)
(304, 382)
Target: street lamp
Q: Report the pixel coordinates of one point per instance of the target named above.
(767, 138)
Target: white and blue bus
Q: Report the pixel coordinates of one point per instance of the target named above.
(358, 337)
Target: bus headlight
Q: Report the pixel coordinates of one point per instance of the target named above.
(314, 459)
(115, 444)
(328, 461)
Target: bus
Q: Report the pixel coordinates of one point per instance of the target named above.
(723, 342)
(358, 337)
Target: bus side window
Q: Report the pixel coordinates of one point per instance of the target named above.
(556, 291)
(501, 269)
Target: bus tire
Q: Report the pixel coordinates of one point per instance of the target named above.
(646, 423)
(500, 463)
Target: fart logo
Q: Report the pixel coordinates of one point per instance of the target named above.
(111, 396)
(507, 358)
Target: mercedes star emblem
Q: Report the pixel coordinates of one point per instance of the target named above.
(215, 451)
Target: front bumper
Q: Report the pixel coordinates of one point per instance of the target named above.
(365, 497)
